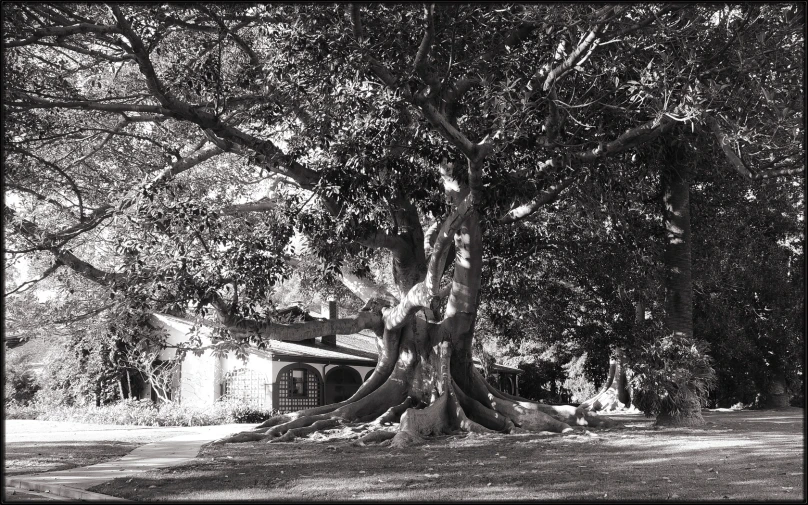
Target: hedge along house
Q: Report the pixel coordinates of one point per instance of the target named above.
(285, 376)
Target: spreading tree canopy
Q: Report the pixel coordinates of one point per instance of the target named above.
(176, 154)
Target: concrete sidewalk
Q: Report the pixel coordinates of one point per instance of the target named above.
(73, 483)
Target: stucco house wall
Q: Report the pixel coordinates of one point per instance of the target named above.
(198, 375)
(202, 378)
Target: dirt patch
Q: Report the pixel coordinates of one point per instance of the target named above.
(739, 455)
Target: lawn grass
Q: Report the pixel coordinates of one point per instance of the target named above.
(35, 457)
(740, 456)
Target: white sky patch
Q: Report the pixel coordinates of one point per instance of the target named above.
(44, 295)
(607, 224)
(792, 243)
(733, 12)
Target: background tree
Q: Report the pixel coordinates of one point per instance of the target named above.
(748, 286)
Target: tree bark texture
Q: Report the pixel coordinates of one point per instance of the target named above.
(777, 394)
(678, 273)
(677, 258)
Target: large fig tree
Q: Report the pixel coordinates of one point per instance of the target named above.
(174, 154)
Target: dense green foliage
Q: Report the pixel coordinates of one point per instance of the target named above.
(750, 285)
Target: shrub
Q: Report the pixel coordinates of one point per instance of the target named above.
(241, 412)
(667, 370)
(19, 385)
(14, 410)
(576, 383)
(144, 413)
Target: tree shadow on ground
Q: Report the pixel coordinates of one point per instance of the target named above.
(35, 457)
(743, 455)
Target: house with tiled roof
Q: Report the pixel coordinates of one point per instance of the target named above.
(282, 375)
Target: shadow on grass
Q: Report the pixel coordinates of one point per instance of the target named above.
(35, 457)
(740, 456)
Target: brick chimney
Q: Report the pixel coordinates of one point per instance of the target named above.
(330, 308)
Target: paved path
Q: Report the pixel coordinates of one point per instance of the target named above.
(24, 430)
(72, 483)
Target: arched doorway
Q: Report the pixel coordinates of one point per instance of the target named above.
(299, 386)
(506, 384)
(341, 383)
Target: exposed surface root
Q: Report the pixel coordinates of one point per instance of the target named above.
(605, 401)
(406, 439)
(286, 437)
(300, 422)
(444, 416)
(374, 404)
(529, 418)
(481, 414)
(576, 417)
(393, 414)
(466, 424)
(375, 437)
(246, 436)
(293, 433)
(274, 421)
(432, 420)
(566, 414)
(452, 410)
(382, 402)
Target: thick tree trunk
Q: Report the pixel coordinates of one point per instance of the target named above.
(678, 277)
(688, 415)
(777, 395)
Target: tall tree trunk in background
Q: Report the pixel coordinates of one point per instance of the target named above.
(777, 394)
(678, 275)
(128, 383)
(639, 311)
(639, 322)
